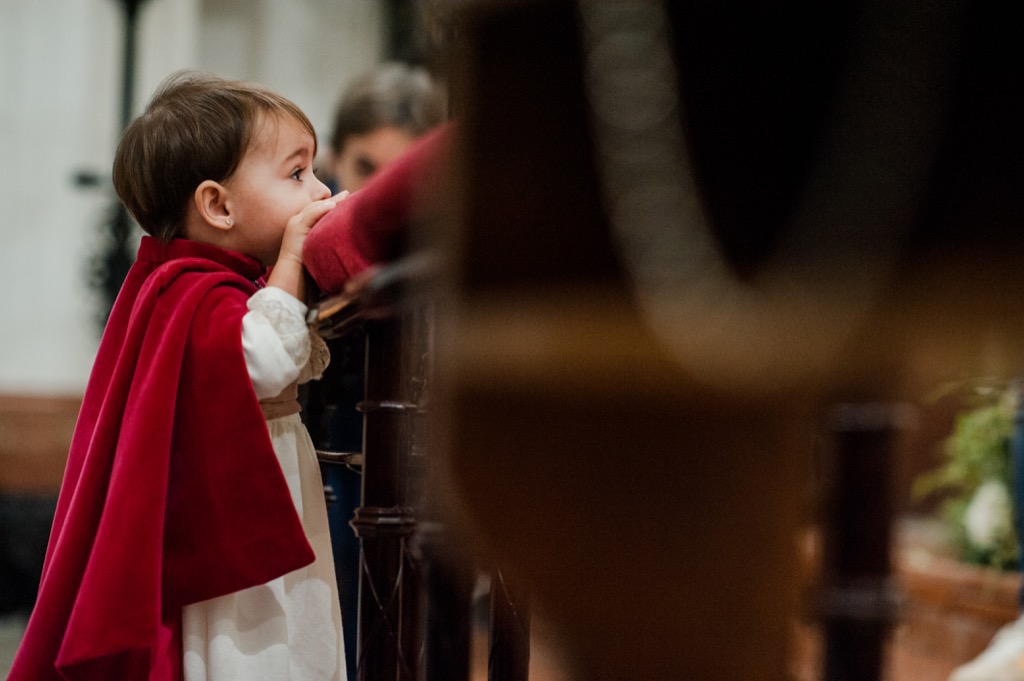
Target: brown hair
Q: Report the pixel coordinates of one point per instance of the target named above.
(196, 127)
(391, 95)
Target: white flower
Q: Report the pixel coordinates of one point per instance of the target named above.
(988, 516)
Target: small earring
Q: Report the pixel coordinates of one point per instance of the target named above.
(229, 222)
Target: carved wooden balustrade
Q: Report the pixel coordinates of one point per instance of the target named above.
(416, 581)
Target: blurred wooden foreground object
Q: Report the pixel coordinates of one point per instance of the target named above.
(640, 468)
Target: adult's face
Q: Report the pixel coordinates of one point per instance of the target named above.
(363, 155)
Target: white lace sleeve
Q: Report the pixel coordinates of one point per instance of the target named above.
(275, 341)
(319, 358)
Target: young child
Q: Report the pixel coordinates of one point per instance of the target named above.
(190, 538)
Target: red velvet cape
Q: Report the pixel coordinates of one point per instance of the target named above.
(370, 226)
(172, 492)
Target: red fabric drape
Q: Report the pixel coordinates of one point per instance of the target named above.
(172, 492)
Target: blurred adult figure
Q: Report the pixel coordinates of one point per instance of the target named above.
(380, 114)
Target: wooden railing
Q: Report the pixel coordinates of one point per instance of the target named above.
(415, 617)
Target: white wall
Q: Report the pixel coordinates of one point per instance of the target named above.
(59, 113)
(305, 49)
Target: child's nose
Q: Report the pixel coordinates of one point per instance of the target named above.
(321, 191)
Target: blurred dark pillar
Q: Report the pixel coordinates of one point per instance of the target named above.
(110, 266)
(403, 35)
(860, 596)
(131, 17)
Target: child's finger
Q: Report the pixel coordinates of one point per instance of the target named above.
(312, 213)
(316, 210)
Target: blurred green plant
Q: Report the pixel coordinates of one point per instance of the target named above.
(975, 476)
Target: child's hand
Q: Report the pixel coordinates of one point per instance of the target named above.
(299, 225)
(287, 273)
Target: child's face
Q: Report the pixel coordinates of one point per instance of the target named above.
(273, 182)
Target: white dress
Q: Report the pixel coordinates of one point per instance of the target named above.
(290, 628)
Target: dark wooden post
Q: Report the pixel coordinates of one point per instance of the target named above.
(388, 645)
(416, 578)
(859, 597)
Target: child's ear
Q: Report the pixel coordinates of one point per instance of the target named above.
(212, 203)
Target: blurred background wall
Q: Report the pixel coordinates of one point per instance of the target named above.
(60, 102)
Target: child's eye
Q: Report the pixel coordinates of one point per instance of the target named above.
(297, 174)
